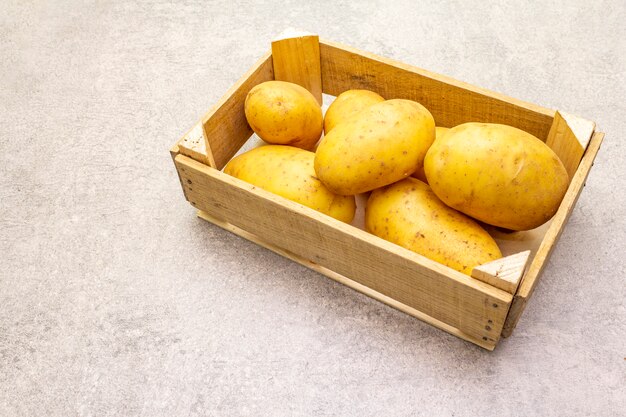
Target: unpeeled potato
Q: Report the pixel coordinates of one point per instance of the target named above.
(420, 174)
(385, 143)
(409, 214)
(284, 113)
(288, 172)
(497, 174)
(348, 104)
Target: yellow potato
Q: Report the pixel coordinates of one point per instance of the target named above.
(382, 145)
(409, 214)
(284, 113)
(420, 174)
(348, 104)
(288, 172)
(497, 174)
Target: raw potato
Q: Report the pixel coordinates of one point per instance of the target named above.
(497, 174)
(409, 214)
(288, 172)
(284, 113)
(349, 104)
(420, 174)
(382, 145)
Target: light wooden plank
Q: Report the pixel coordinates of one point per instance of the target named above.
(345, 281)
(451, 102)
(581, 128)
(296, 59)
(568, 138)
(225, 126)
(504, 273)
(474, 308)
(531, 278)
(174, 150)
(194, 145)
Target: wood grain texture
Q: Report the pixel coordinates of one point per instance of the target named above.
(504, 273)
(582, 128)
(531, 278)
(297, 60)
(568, 138)
(451, 102)
(174, 150)
(472, 307)
(194, 145)
(346, 281)
(225, 126)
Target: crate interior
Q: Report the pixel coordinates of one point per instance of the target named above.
(509, 243)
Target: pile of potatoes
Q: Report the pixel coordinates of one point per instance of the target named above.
(429, 187)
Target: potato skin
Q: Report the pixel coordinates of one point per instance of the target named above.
(498, 174)
(348, 104)
(284, 113)
(382, 145)
(409, 214)
(288, 172)
(420, 174)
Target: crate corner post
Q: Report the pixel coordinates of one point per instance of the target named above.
(504, 273)
(296, 59)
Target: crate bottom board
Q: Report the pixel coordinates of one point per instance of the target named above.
(345, 281)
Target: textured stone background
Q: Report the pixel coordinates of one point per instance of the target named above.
(116, 300)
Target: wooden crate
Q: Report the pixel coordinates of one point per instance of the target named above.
(479, 308)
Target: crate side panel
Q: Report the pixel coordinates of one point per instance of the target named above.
(225, 126)
(531, 278)
(490, 345)
(451, 102)
(471, 306)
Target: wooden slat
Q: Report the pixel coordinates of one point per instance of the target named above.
(174, 152)
(346, 281)
(296, 59)
(531, 278)
(504, 273)
(225, 126)
(472, 307)
(581, 128)
(568, 138)
(451, 102)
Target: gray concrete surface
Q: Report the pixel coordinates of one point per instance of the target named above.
(116, 300)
